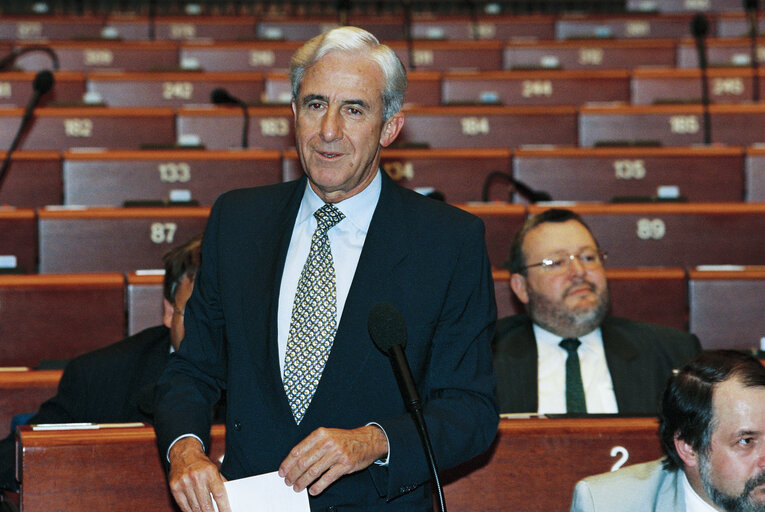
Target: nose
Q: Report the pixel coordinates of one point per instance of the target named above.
(331, 126)
(575, 266)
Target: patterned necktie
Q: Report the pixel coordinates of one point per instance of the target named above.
(314, 317)
(575, 401)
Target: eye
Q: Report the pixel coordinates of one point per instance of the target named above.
(354, 111)
(588, 257)
(553, 262)
(315, 105)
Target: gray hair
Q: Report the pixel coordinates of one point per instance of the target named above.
(353, 39)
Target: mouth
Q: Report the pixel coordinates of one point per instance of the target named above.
(329, 155)
(580, 289)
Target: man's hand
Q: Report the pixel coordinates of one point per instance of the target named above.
(327, 454)
(193, 476)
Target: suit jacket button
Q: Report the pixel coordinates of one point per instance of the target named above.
(237, 425)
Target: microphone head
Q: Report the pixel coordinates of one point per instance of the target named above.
(221, 96)
(386, 326)
(699, 25)
(43, 82)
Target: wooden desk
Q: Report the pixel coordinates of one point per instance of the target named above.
(450, 55)
(58, 316)
(589, 54)
(99, 55)
(754, 170)
(526, 88)
(114, 239)
(48, 27)
(143, 299)
(18, 232)
(173, 89)
(681, 6)
(23, 392)
(494, 27)
(734, 23)
(91, 127)
(221, 127)
(238, 56)
(633, 292)
(726, 307)
(698, 174)
(488, 126)
(89, 177)
(33, 179)
(721, 52)
(457, 173)
(16, 88)
(676, 235)
(96, 469)
(634, 26)
(661, 86)
(215, 28)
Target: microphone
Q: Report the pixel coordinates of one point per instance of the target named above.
(531, 195)
(42, 83)
(388, 332)
(751, 7)
(407, 4)
(221, 96)
(9, 59)
(699, 29)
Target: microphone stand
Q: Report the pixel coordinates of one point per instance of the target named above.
(533, 196)
(407, 4)
(751, 13)
(699, 28)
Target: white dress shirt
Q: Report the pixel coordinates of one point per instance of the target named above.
(693, 502)
(551, 373)
(346, 239)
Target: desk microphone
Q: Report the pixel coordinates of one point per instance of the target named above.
(407, 4)
(751, 7)
(388, 331)
(9, 59)
(699, 29)
(42, 83)
(530, 194)
(221, 96)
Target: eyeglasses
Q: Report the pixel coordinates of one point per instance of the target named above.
(589, 259)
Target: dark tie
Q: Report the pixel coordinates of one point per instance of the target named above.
(575, 402)
(314, 317)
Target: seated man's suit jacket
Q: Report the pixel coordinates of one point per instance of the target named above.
(643, 487)
(109, 385)
(640, 358)
(426, 258)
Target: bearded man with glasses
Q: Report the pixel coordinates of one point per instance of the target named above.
(567, 354)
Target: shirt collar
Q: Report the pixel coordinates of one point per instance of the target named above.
(693, 502)
(358, 209)
(589, 340)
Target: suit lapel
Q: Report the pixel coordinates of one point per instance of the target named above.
(620, 357)
(520, 352)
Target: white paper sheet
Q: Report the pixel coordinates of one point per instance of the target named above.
(264, 493)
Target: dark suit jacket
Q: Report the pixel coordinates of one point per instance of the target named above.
(107, 385)
(640, 358)
(425, 257)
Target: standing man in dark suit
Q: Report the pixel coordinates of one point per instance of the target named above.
(115, 384)
(349, 439)
(567, 355)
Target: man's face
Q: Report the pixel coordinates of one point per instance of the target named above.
(173, 317)
(733, 470)
(571, 301)
(339, 128)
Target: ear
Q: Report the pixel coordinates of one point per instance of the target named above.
(167, 316)
(686, 452)
(391, 129)
(518, 284)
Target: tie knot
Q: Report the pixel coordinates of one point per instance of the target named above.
(327, 216)
(570, 344)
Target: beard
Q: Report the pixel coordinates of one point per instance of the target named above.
(557, 318)
(744, 502)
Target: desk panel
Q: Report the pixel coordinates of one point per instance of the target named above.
(536, 88)
(23, 392)
(676, 235)
(16, 88)
(738, 125)
(495, 27)
(726, 307)
(501, 222)
(698, 174)
(105, 55)
(113, 239)
(588, 54)
(216, 28)
(221, 127)
(450, 55)
(488, 127)
(58, 316)
(755, 175)
(172, 89)
(144, 301)
(33, 179)
(680, 6)
(90, 178)
(457, 173)
(635, 26)
(721, 52)
(657, 86)
(18, 233)
(62, 27)
(238, 56)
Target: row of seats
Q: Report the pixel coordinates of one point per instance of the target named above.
(730, 23)
(524, 54)
(471, 126)
(645, 86)
(58, 316)
(696, 174)
(635, 235)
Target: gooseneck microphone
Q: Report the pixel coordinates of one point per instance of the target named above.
(388, 331)
(221, 96)
(530, 194)
(751, 8)
(42, 83)
(699, 29)
(9, 59)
